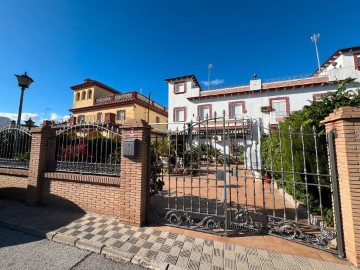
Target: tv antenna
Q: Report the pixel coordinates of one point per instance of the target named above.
(210, 67)
(46, 109)
(315, 38)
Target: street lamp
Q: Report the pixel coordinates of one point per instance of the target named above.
(24, 82)
(29, 123)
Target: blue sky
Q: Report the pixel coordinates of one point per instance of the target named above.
(133, 45)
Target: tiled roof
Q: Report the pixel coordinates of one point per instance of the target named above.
(90, 82)
(191, 76)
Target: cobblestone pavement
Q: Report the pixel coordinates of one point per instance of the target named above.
(158, 247)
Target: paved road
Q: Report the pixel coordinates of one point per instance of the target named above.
(22, 251)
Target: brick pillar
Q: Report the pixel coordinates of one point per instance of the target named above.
(38, 155)
(134, 175)
(346, 122)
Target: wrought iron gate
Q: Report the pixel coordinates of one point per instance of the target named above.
(229, 176)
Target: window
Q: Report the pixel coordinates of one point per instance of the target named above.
(280, 108)
(319, 96)
(89, 94)
(120, 115)
(357, 61)
(80, 118)
(204, 111)
(83, 96)
(99, 117)
(157, 119)
(77, 96)
(180, 88)
(236, 109)
(179, 114)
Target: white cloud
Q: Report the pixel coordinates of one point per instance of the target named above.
(24, 116)
(35, 117)
(58, 118)
(213, 82)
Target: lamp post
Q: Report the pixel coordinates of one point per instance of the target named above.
(29, 123)
(24, 82)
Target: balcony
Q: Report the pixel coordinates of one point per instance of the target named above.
(130, 97)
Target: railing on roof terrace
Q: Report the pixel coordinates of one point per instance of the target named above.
(270, 80)
(130, 96)
(294, 77)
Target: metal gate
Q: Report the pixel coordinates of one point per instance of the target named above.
(230, 176)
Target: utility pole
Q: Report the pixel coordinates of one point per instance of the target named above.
(315, 38)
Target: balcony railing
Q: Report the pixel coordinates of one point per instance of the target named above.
(130, 96)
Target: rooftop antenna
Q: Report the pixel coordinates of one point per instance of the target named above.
(46, 109)
(141, 90)
(210, 67)
(315, 38)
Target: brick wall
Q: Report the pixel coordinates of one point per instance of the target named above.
(73, 191)
(346, 122)
(134, 175)
(13, 184)
(125, 197)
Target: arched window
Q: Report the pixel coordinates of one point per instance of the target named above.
(89, 94)
(83, 95)
(77, 96)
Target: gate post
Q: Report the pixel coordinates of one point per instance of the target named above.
(134, 178)
(346, 124)
(38, 156)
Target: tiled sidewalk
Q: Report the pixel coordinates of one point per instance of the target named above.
(162, 247)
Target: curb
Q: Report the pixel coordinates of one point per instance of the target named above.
(88, 245)
(149, 263)
(109, 252)
(64, 239)
(116, 254)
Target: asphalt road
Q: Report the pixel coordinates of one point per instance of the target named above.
(23, 251)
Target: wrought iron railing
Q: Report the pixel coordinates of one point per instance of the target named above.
(15, 145)
(87, 148)
(268, 80)
(130, 96)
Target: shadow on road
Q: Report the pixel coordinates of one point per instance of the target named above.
(34, 219)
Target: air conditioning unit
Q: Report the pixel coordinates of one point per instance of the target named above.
(266, 109)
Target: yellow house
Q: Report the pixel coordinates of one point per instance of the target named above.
(96, 102)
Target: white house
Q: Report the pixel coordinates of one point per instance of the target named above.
(258, 105)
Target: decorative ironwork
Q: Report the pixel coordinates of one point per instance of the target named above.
(87, 148)
(319, 237)
(84, 167)
(15, 146)
(183, 218)
(276, 183)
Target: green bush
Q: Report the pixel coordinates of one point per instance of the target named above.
(283, 148)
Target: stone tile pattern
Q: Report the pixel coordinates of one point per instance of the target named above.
(347, 146)
(184, 252)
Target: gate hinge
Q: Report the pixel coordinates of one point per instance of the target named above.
(335, 132)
